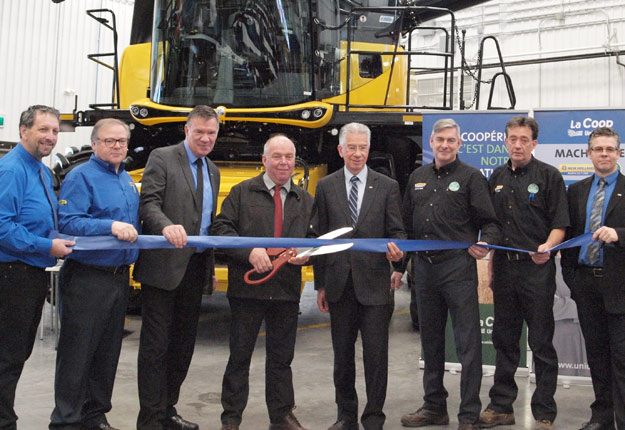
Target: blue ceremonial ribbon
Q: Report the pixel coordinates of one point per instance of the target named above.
(92, 243)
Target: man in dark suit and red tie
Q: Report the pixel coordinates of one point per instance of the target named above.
(595, 273)
(355, 286)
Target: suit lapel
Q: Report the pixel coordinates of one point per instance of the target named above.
(617, 194)
(582, 201)
(371, 189)
(214, 184)
(341, 195)
(188, 176)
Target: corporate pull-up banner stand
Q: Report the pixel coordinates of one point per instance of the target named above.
(483, 147)
(563, 138)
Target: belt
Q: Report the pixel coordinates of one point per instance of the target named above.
(436, 257)
(115, 270)
(20, 265)
(597, 272)
(517, 256)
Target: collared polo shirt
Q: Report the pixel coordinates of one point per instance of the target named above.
(450, 203)
(529, 201)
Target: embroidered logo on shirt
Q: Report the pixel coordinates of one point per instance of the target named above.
(419, 186)
(62, 202)
(454, 186)
(498, 188)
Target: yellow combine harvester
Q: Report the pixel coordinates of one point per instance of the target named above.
(299, 67)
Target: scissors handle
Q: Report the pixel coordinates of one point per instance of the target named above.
(283, 257)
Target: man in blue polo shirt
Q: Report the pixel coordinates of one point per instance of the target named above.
(97, 198)
(27, 216)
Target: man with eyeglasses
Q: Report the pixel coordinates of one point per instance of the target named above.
(530, 201)
(98, 198)
(27, 216)
(596, 276)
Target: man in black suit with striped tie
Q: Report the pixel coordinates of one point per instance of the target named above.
(596, 276)
(355, 286)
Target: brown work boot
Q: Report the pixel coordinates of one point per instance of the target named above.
(543, 425)
(468, 426)
(424, 417)
(289, 422)
(490, 418)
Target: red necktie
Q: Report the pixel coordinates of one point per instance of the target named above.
(277, 217)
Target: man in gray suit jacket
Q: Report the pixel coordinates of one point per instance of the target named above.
(355, 286)
(597, 278)
(178, 198)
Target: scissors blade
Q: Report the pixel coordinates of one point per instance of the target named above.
(329, 249)
(303, 252)
(335, 233)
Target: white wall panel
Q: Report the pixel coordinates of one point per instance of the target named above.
(43, 58)
(536, 29)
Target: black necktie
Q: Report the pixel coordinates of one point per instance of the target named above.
(199, 190)
(49, 196)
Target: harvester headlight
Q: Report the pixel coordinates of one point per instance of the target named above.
(305, 114)
(318, 113)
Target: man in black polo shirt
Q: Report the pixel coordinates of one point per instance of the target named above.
(530, 200)
(448, 200)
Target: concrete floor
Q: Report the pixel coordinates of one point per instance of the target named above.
(312, 368)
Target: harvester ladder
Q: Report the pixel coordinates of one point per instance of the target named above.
(111, 25)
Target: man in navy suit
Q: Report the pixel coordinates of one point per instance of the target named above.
(595, 273)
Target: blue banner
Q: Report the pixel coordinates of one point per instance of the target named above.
(563, 138)
(482, 135)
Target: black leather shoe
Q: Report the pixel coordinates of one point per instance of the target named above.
(178, 423)
(596, 426)
(103, 426)
(344, 425)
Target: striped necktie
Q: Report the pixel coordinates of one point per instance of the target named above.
(596, 215)
(353, 200)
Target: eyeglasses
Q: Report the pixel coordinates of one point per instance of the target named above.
(111, 142)
(607, 150)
